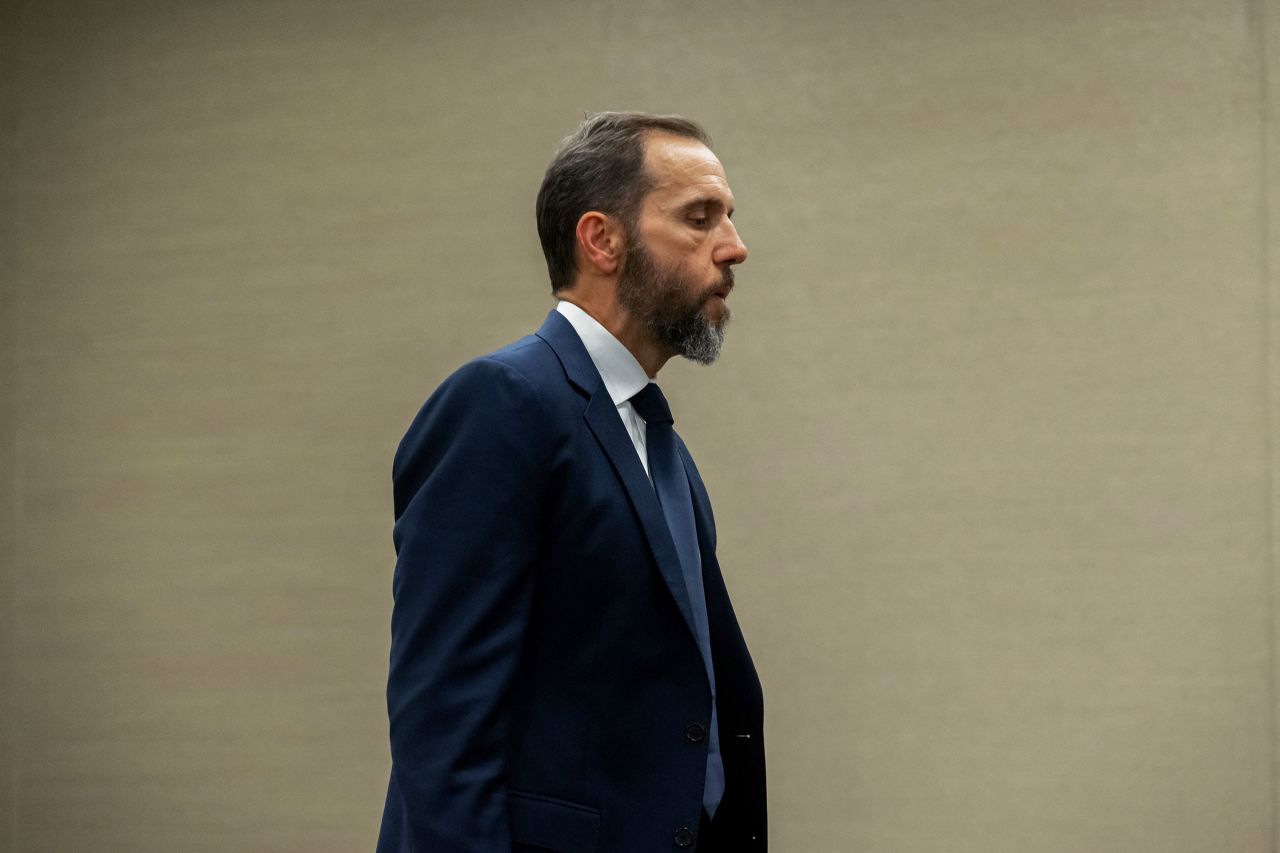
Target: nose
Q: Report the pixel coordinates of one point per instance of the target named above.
(731, 249)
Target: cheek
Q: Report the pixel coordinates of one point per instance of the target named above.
(679, 242)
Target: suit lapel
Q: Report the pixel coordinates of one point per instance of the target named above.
(601, 416)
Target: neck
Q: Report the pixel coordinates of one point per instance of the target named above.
(623, 325)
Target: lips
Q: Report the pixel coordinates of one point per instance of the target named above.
(725, 287)
(721, 293)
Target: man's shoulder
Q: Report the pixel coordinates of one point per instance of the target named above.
(525, 370)
(530, 359)
(512, 383)
(511, 388)
(529, 354)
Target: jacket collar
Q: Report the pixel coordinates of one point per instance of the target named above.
(622, 374)
(564, 341)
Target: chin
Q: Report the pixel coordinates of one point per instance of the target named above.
(717, 313)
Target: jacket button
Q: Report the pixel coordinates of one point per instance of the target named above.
(684, 838)
(695, 733)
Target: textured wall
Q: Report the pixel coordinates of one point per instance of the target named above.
(990, 444)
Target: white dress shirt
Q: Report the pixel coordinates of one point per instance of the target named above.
(622, 374)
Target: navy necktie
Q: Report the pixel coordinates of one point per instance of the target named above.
(672, 485)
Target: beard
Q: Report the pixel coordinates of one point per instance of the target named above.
(671, 305)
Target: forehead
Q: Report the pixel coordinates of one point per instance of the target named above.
(682, 168)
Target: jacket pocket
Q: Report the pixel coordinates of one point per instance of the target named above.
(552, 824)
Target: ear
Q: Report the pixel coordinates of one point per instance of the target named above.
(600, 242)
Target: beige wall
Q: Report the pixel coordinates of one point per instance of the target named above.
(991, 444)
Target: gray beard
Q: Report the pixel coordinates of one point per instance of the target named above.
(660, 300)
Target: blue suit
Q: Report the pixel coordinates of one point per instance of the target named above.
(546, 691)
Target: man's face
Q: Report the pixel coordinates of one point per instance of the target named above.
(677, 272)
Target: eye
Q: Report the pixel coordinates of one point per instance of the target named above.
(699, 221)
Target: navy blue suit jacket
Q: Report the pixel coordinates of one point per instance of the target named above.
(546, 691)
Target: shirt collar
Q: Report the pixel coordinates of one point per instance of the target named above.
(622, 374)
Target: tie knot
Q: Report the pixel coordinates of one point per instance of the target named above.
(651, 405)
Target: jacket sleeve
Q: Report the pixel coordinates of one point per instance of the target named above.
(468, 480)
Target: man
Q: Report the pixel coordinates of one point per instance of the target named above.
(567, 673)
